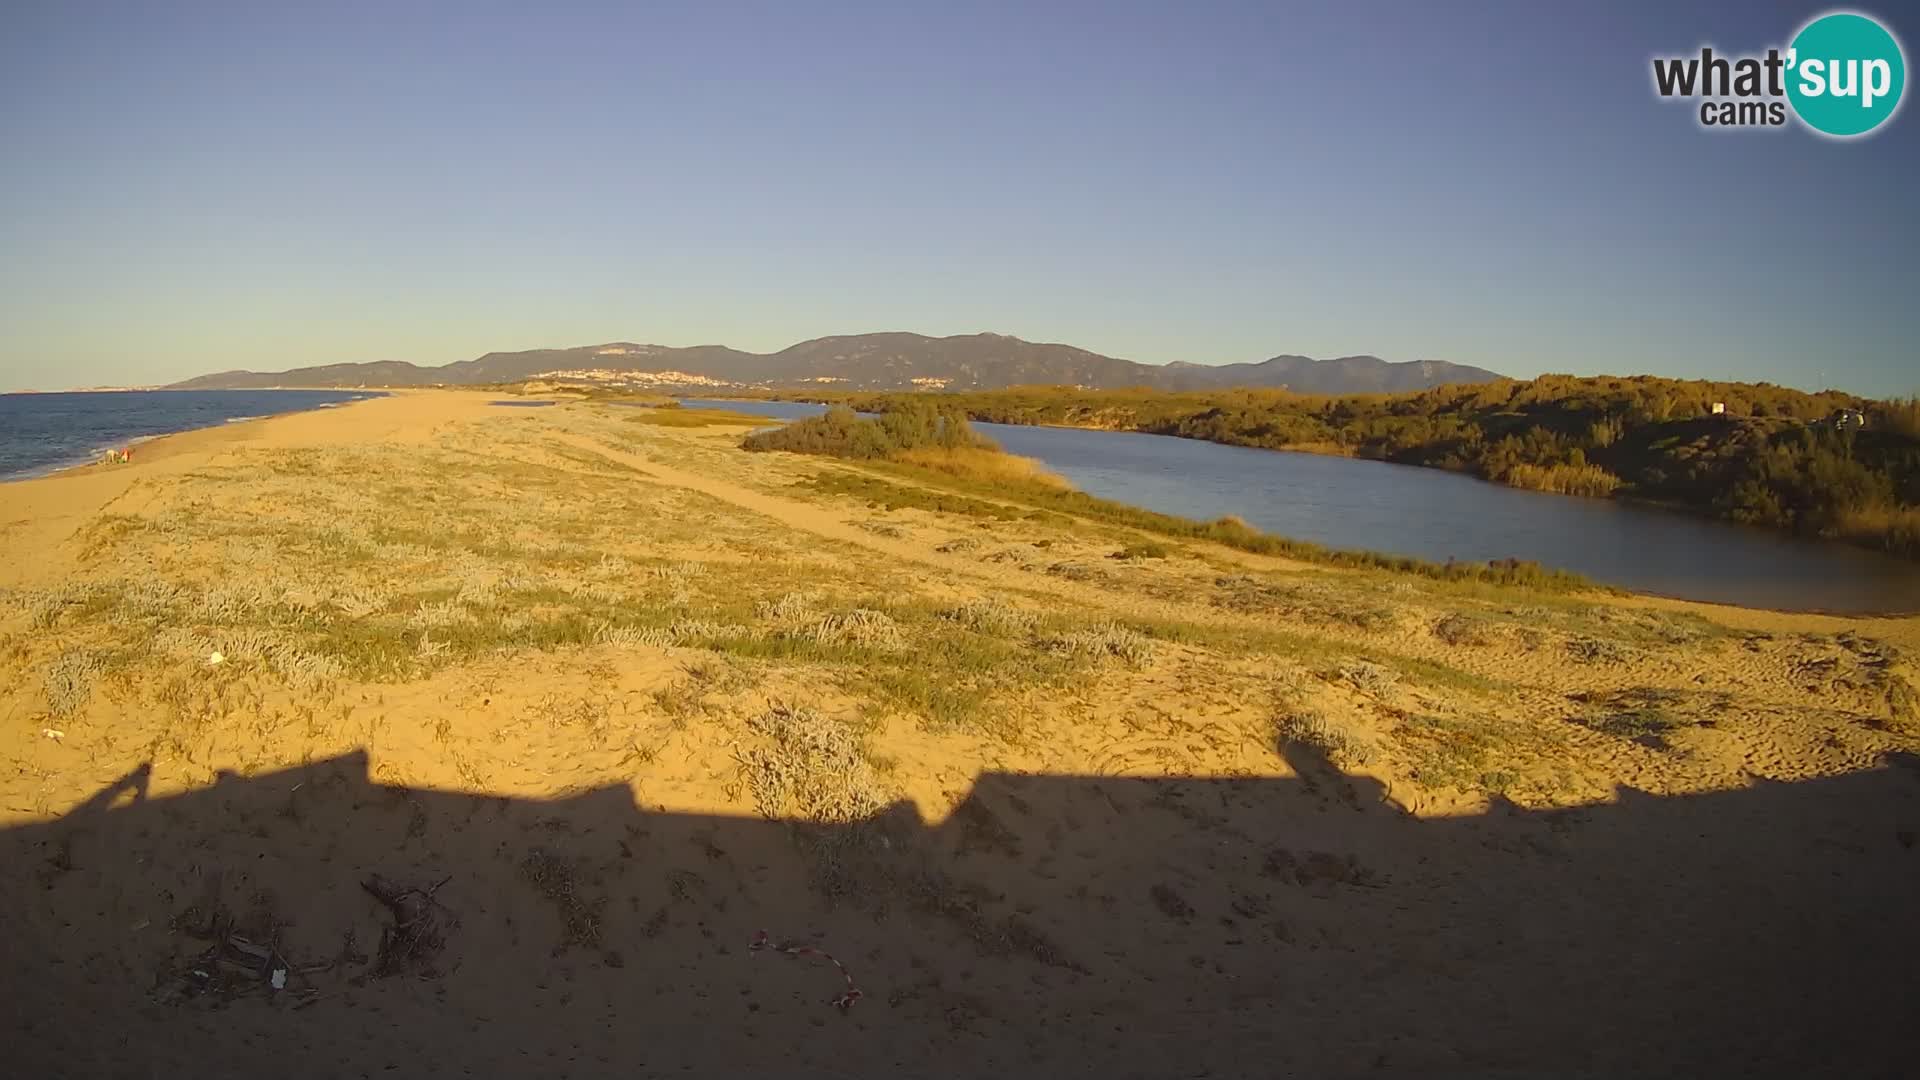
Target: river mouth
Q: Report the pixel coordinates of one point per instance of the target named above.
(1436, 515)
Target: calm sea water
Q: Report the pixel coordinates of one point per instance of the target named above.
(1430, 514)
(40, 433)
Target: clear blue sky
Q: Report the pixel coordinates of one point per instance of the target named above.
(189, 187)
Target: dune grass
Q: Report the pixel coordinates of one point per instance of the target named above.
(1563, 479)
(697, 418)
(886, 495)
(1040, 498)
(935, 448)
(1894, 528)
(981, 465)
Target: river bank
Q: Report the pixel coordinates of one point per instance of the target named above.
(1405, 511)
(1756, 454)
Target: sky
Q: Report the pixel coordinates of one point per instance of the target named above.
(192, 187)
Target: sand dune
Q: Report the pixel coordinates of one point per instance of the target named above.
(622, 697)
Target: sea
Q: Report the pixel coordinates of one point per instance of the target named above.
(43, 433)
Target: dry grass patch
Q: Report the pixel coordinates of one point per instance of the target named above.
(862, 628)
(556, 878)
(1101, 642)
(697, 418)
(1344, 743)
(1458, 629)
(811, 771)
(986, 466)
(809, 767)
(992, 615)
(69, 680)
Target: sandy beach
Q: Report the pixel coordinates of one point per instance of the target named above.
(597, 698)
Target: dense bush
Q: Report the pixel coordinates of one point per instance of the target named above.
(914, 425)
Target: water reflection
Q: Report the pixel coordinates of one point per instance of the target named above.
(1431, 514)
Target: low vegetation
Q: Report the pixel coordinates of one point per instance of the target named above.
(812, 772)
(1772, 456)
(1647, 715)
(1456, 628)
(809, 768)
(676, 417)
(1345, 745)
(914, 428)
(933, 449)
(467, 602)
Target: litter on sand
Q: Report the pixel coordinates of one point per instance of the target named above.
(845, 1001)
(232, 966)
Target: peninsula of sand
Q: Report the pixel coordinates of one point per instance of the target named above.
(427, 736)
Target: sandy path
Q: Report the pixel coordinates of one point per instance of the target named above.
(800, 515)
(826, 524)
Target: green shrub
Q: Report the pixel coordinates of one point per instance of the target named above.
(838, 432)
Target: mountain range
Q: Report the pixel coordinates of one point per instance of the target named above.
(884, 361)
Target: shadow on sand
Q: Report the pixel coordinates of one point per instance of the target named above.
(1054, 924)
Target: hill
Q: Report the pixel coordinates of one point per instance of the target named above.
(883, 361)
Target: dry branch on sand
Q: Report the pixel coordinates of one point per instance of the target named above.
(233, 964)
(420, 925)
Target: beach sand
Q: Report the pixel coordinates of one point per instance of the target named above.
(612, 697)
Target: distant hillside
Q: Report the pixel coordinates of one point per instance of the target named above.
(888, 361)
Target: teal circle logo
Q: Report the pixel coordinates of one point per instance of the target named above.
(1845, 74)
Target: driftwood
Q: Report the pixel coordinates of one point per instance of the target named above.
(420, 925)
(233, 966)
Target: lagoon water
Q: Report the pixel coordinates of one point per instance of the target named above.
(1436, 515)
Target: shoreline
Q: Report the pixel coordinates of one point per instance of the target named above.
(1338, 451)
(171, 445)
(93, 456)
(1815, 545)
